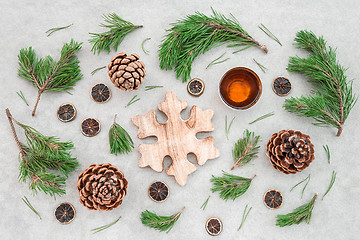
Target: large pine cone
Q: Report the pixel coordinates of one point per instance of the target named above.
(290, 151)
(126, 72)
(101, 187)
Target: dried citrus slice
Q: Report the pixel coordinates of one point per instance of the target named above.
(273, 199)
(214, 226)
(66, 112)
(90, 127)
(65, 213)
(281, 86)
(196, 87)
(158, 191)
(100, 93)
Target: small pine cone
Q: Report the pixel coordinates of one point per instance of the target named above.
(101, 187)
(290, 151)
(126, 72)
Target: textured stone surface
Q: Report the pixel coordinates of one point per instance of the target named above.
(23, 24)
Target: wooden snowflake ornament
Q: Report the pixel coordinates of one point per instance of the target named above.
(176, 138)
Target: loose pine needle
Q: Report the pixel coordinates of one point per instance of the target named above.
(27, 202)
(99, 229)
(263, 117)
(132, 101)
(147, 88)
(303, 190)
(245, 149)
(160, 223)
(97, 69)
(333, 178)
(302, 213)
(327, 150)
(203, 206)
(213, 62)
(269, 33)
(242, 49)
(52, 30)
(245, 214)
(120, 141)
(262, 67)
(143, 46)
(227, 128)
(230, 186)
(21, 95)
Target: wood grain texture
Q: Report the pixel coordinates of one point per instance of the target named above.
(176, 138)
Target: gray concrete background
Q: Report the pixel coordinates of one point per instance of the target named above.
(23, 24)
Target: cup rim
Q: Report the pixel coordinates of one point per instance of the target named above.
(256, 99)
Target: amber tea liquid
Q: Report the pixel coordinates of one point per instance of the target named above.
(240, 88)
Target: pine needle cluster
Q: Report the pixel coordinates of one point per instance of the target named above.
(302, 213)
(230, 186)
(332, 97)
(160, 223)
(117, 27)
(197, 34)
(120, 140)
(245, 149)
(45, 162)
(46, 74)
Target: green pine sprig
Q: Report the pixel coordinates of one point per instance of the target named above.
(120, 141)
(160, 223)
(45, 162)
(230, 186)
(302, 213)
(196, 34)
(203, 206)
(55, 29)
(48, 75)
(245, 149)
(332, 181)
(117, 27)
(102, 228)
(332, 98)
(27, 202)
(245, 214)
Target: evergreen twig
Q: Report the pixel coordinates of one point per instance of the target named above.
(48, 75)
(160, 223)
(269, 33)
(302, 213)
(196, 34)
(27, 202)
(245, 149)
(230, 186)
(303, 190)
(332, 98)
(41, 158)
(132, 101)
(203, 206)
(97, 69)
(117, 27)
(52, 30)
(21, 95)
(213, 62)
(120, 141)
(332, 181)
(99, 229)
(143, 46)
(147, 88)
(227, 128)
(327, 150)
(263, 117)
(262, 67)
(245, 214)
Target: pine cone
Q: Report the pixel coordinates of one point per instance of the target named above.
(101, 187)
(126, 72)
(290, 151)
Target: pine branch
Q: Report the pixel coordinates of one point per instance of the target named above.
(230, 186)
(245, 214)
(245, 149)
(48, 75)
(41, 158)
(332, 181)
(120, 140)
(302, 213)
(332, 98)
(196, 34)
(160, 223)
(102, 228)
(203, 206)
(52, 30)
(117, 27)
(27, 202)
